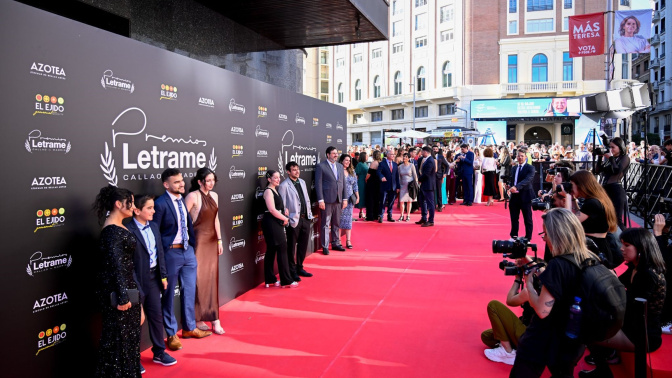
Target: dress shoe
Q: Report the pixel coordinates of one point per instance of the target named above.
(296, 278)
(174, 343)
(380, 219)
(390, 219)
(421, 222)
(293, 284)
(440, 209)
(338, 248)
(303, 273)
(463, 204)
(428, 224)
(470, 204)
(325, 251)
(276, 284)
(601, 371)
(164, 359)
(195, 333)
(142, 369)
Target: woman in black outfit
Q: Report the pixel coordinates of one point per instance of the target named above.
(613, 168)
(273, 226)
(645, 278)
(372, 196)
(597, 215)
(119, 354)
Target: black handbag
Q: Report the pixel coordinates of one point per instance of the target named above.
(413, 189)
(353, 198)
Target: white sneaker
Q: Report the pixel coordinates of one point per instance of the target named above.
(499, 354)
(667, 329)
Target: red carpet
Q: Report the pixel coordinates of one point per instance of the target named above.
(405, 302)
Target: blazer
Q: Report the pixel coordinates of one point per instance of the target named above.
(467, 164)
(292, 200)
(166, 218)
(141, 255)
(442, 167)
(329, 188)
(525, 178)
(428, 174)
(392, 176)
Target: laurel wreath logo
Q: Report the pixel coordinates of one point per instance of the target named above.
(67, 149)
(28, 270)
(109, 171)
(212, 164)
(280, 170)
(102, 82)
(28, 146)
(69, 261)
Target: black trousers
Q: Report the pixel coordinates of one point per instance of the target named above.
(297, 243)
(516, 205)
(283, 267)
(153, 313)
(617, 196)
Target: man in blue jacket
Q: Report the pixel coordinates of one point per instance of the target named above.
(466, 164)
(389, 185)
(521, 193)
(427, 185)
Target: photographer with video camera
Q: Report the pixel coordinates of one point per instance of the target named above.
(597, 215)
(558, 177)
(613, 169)
(544, 343)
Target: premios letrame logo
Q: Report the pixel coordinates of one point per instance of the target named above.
(38, 263)
(234, 244)
(45, 183)
(261, 172)
(36, 142)
(339, 126)
(207, 102)
(300, 119)
(109, 81)
(234, 107)
(259, 192)
(236, 173)
(259, 257)
(261, 133)
(144, 156)
(316, 122)
(262, 112)
(49, 218)
(235, 130)
(282, 117)
(50, 338)
(50, 302)
(49, 105)
(237, 221)
(237, 268)
(168, 92)
(47, 70)
(305, 156)
(236, 150)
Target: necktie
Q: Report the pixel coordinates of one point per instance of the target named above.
(390, 164)
(517, 171)
(333, 168)
(183, 225)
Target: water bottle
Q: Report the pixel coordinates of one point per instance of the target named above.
(574, 324)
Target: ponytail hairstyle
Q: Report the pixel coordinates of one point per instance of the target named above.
(107, 197)
(270, 173)
(201, 174)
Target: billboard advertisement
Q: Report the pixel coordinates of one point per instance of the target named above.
(525, 108)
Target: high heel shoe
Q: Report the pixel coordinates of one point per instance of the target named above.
(401, 218)
(217, 328)
(202, 326)
(348, 245)
(360, 215)
(407, 219)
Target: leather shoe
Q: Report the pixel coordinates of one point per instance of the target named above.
(195, 333)
(390, 219)
(421, 222)
(601, 371)
(174, 343)
(338, 248)
(303, 273)
(428, 224)
(325, 251)
(296, 278)
(380, 219)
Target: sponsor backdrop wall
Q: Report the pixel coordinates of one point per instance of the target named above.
(83, 108)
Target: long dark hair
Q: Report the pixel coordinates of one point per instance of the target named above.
(588, 187)
(201, 174)
(621, 146)
(106, 199)
(647, 249)
(350, 168)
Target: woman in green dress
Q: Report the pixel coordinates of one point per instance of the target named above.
(361, 170)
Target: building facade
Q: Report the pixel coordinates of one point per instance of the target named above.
(443, 54)
(660, 119)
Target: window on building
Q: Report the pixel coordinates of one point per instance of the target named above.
(397, 83)
(357, 138)
(513, 27)
(446, 14)
(637, 70)
(662, 4)
(376, 53)
(567, 67)
(539, 68)
(447, 35)
(668, 119)
(662, 49)
(625, 3)
(397, 28)
(340, 93)
(646, 65)
(446, 109)
(421, 112)
(376, 116)
(397, 114)
(513, 6)
(625, 72)
(540, 25)
(420, 42)
(340, 62)
(421, 80)
(357, 118)
(357, 58)
(565, 23)
(662, 74)
(513, 68)
(358, 90)
(421, 21)
(397, 7)
(655, 76)
(568, 4)
(447, 75)
(376, 87)
(419, 3)
(539, 5)
(397, 48)
(662, 25)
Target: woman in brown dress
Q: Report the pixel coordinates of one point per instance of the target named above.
(202, 204)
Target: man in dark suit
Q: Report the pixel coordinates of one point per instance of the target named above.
(521, 194)
(441, 172)
(465, 162)
(415, 160)
(177, 238)
(295, 197)
(330, 189)
(388, 172)
(150, 271)
(427, 185)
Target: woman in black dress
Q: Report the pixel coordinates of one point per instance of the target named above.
(273, 225)
(372, 196)
(119, 354)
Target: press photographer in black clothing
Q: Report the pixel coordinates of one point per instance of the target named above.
(613, 165)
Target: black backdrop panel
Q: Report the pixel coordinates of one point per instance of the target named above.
(82, 108)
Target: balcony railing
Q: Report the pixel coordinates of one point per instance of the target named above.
(655, 85)
(655, 40)
(656, 16)
(655, 63)
(544, 87)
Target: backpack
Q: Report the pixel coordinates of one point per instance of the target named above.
(603, 301)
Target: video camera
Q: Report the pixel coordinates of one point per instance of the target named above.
(542, 204)
(516, 248)
(554, 171)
